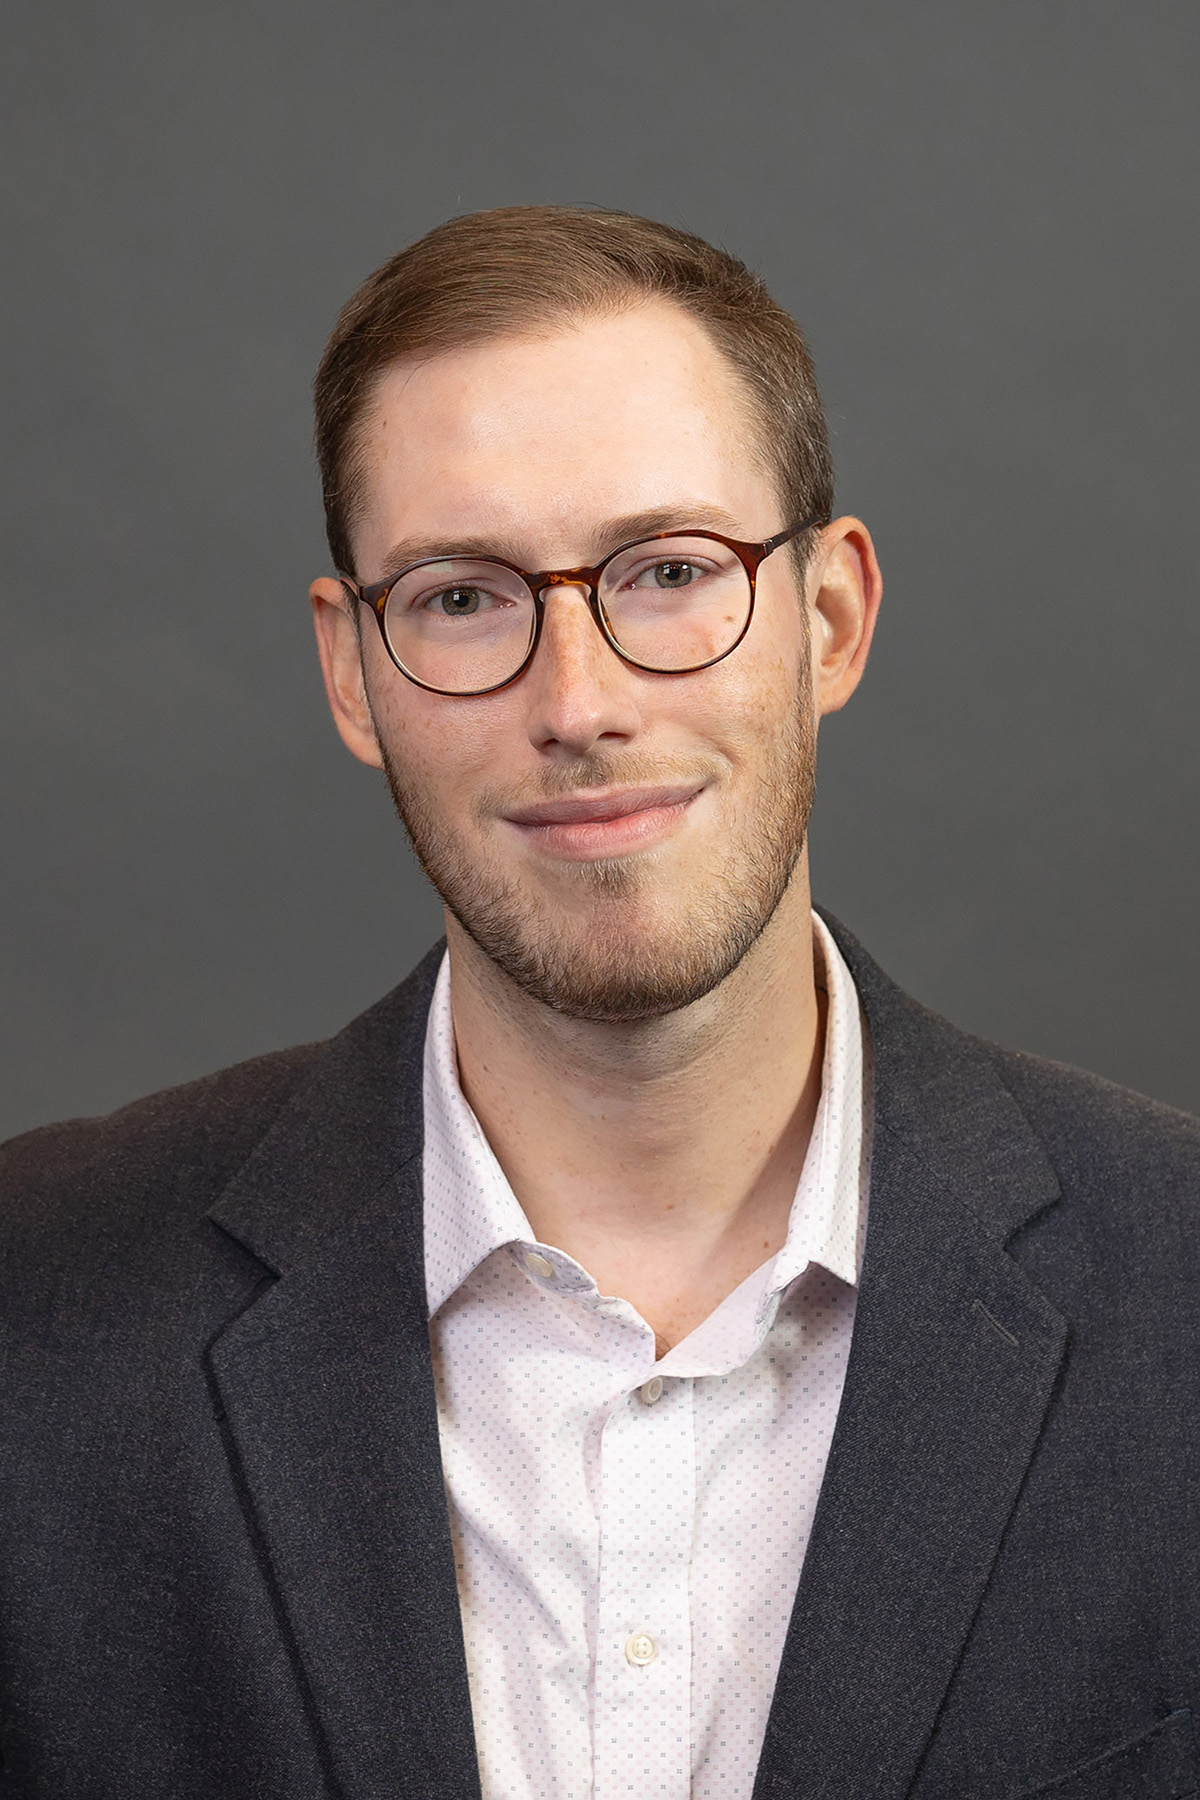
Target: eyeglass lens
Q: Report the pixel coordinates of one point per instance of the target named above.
(466, 624)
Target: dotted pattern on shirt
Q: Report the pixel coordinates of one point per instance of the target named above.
(583, 1516)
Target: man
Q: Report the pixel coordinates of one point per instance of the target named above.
(647, 1354)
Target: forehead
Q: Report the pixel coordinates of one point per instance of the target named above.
(612, 415)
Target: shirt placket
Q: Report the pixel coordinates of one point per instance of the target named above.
(642, 1729)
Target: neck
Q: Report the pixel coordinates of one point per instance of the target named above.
(662, 1155)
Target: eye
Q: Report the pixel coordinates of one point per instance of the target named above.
(457, 602)
(676, 573)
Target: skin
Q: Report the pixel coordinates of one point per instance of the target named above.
(661, 1152)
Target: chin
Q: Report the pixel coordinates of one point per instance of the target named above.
(617, 966)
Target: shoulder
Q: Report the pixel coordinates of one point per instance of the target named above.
(148, 1170)
(1105, 1140)
(937, 1076)
(1086, 1112)
(185, 1140)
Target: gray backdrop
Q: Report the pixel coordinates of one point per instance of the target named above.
(984, 215)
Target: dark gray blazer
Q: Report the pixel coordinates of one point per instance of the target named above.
(225, 1567)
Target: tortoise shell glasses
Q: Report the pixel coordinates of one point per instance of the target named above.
(672, 603)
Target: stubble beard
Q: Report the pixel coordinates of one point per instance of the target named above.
(603, 955)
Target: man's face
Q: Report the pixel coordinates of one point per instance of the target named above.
(614, 840)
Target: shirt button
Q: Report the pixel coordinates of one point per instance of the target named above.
(640, 1649)
(650, 1392)
(539, 1265)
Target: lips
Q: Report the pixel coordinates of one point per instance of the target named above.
(604, 805)
(605, 822)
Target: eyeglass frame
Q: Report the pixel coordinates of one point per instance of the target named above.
(751, 555)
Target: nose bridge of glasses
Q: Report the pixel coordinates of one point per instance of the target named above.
(584, 579)
(586, 583)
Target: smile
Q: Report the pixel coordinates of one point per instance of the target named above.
(605, 822)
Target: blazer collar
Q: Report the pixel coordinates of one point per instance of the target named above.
(937, 1090)
(350, 1127)
(952, 1364)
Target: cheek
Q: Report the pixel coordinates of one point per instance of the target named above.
(779, 634)
(435, 745)
(768, 688)
(744, 721)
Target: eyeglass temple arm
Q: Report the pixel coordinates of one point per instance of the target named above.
(783, 537)
(357, 590)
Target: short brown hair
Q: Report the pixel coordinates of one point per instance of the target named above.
(518, 269)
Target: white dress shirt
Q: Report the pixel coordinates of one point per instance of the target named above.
(628, 1533)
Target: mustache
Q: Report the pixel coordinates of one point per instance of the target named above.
(595, 770)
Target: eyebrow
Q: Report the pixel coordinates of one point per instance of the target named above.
(608, 536)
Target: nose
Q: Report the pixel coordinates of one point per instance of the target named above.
(578, 692)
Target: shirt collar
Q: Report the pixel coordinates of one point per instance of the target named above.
(470, 1209)
(828, 1217)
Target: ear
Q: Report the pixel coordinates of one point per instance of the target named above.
(844, 589)
(340, 651)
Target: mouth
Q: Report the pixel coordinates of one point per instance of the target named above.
(604, 821)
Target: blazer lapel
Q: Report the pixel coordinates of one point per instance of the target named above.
(325, 1388)
(953, 1361)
